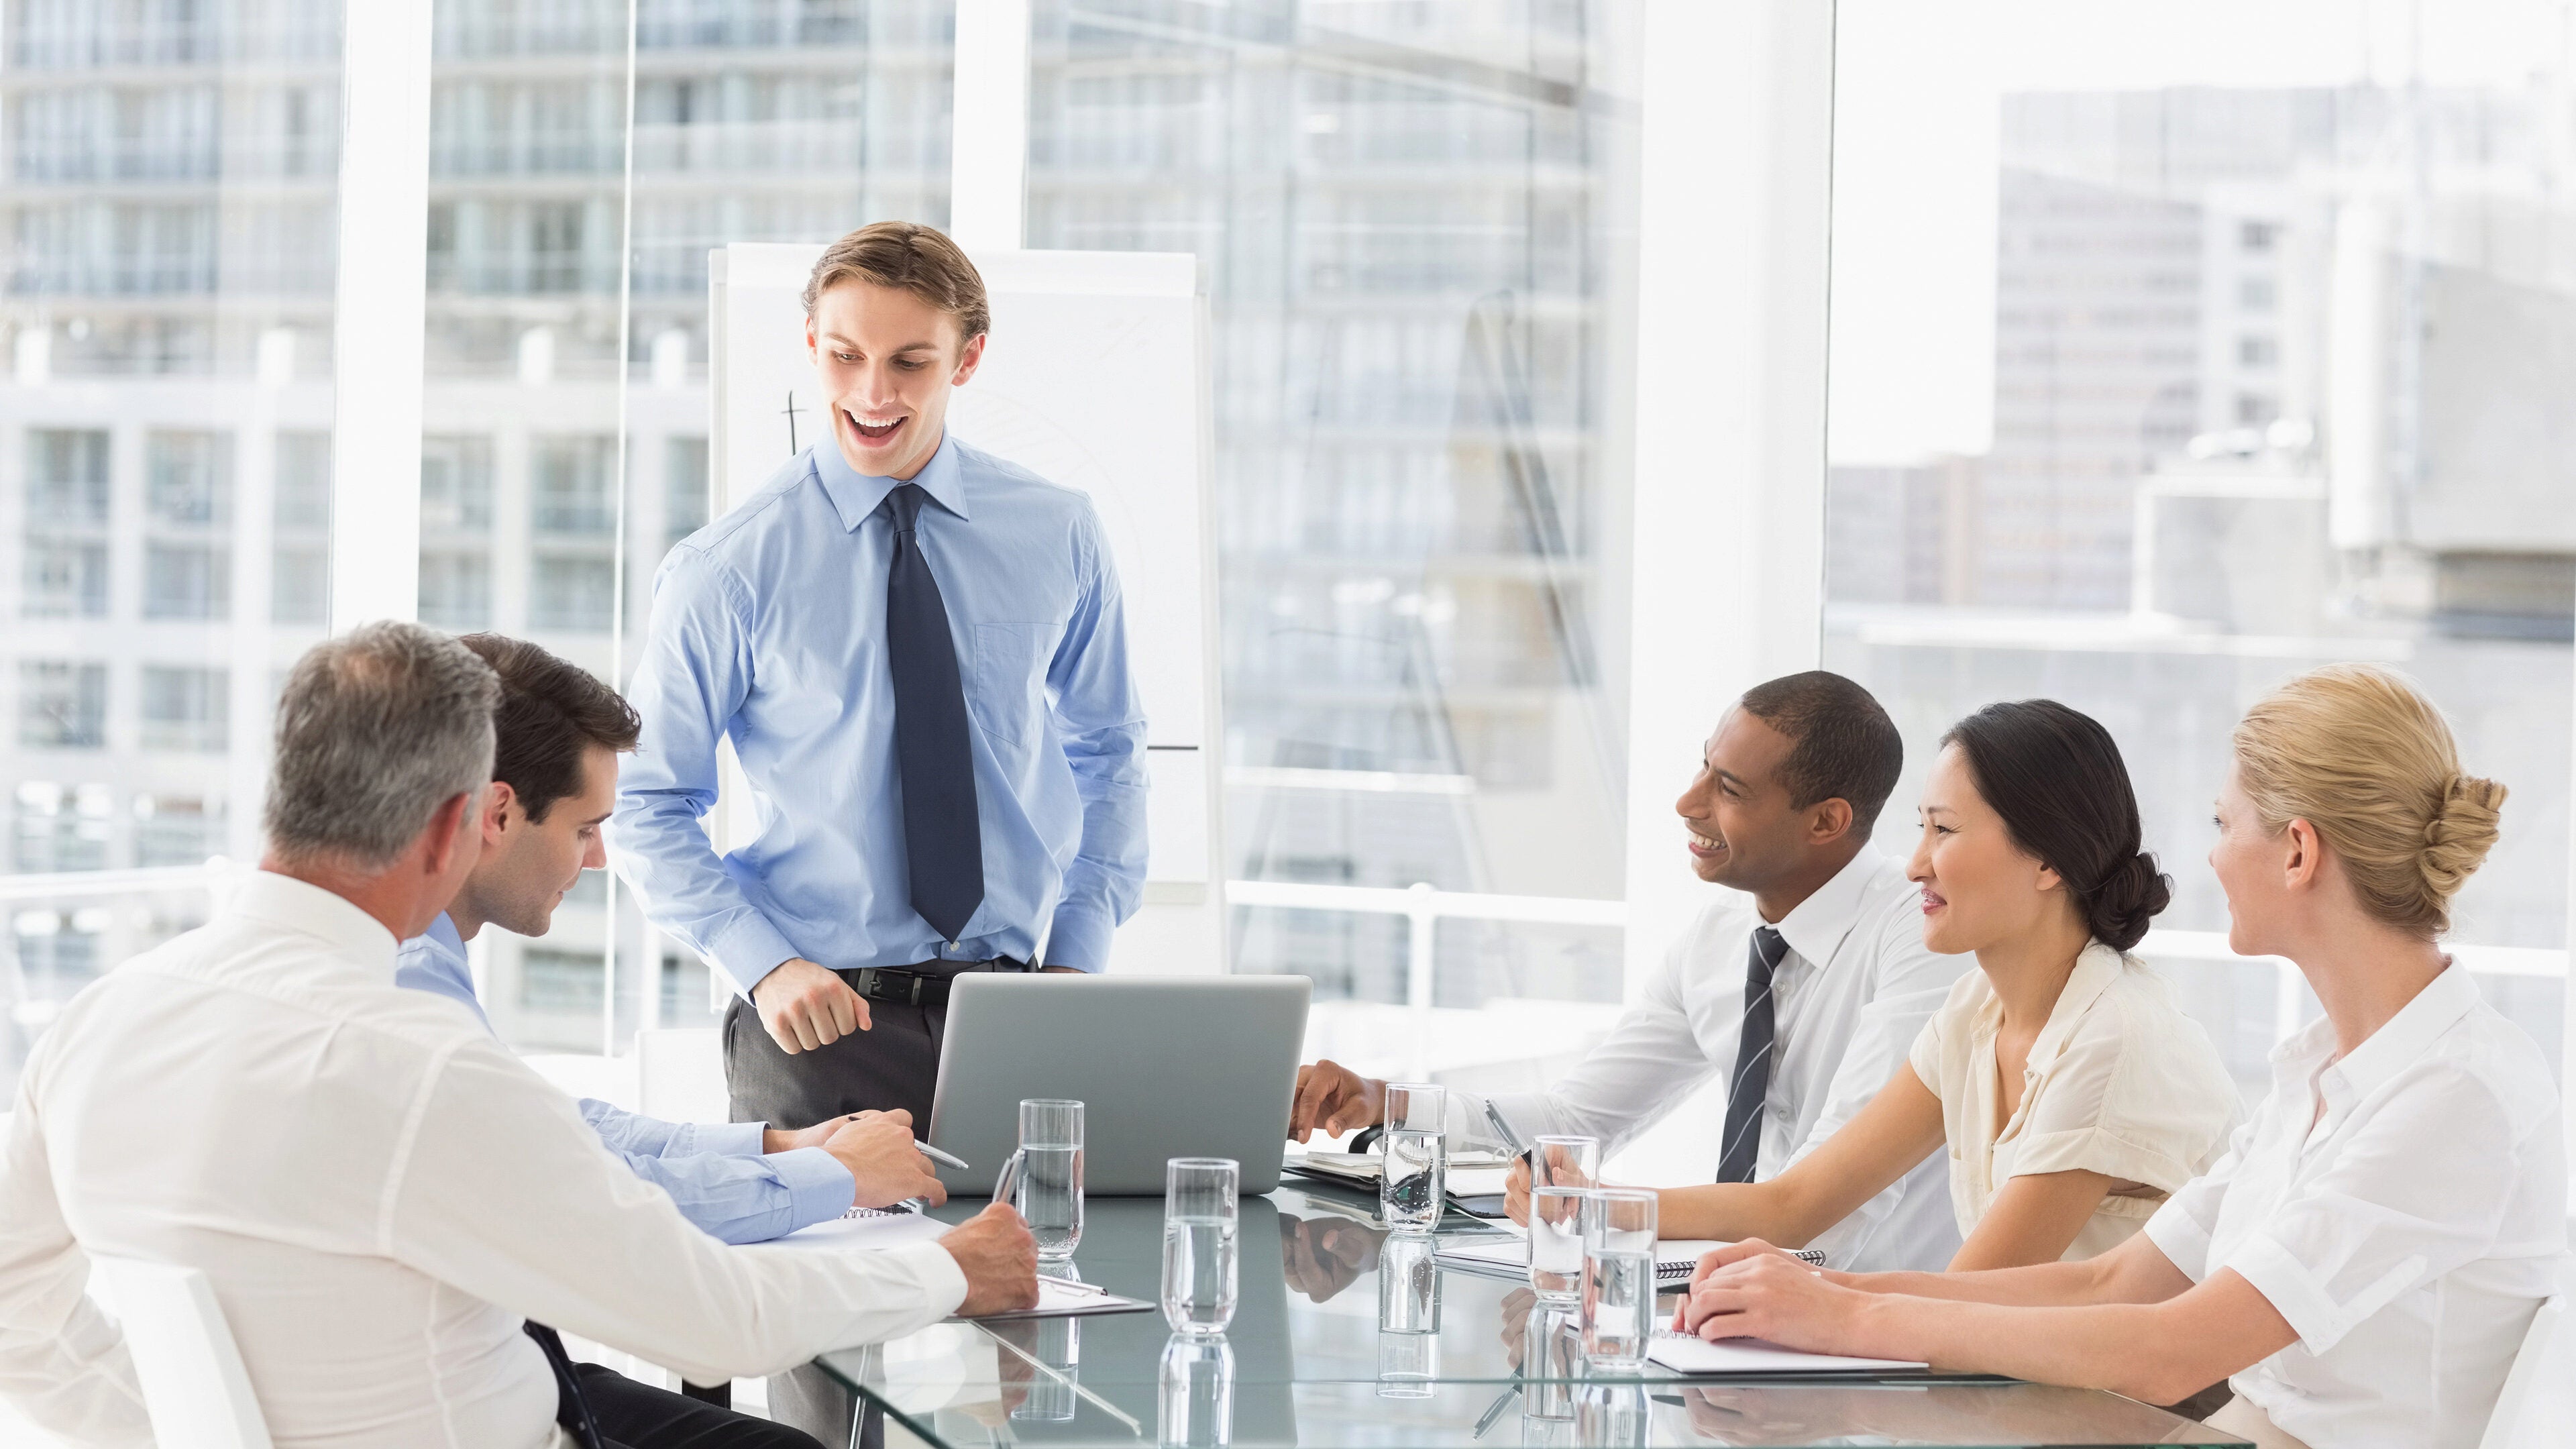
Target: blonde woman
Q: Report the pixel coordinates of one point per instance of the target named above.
(2072, 1093)
(2365, 1259)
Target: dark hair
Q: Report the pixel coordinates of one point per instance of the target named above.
(1843, 746)
(2056, 777)
(551, 711)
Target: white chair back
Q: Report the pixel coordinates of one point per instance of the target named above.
(2539, 1398)
(194, 1384)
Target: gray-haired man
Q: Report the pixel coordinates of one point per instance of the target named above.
(381, 1195)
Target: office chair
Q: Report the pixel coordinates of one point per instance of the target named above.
(194, 1384)
(2540, 1392)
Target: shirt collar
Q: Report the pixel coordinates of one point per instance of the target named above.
(2406, 1037)
(2096, 967)
(443, 938)
(855, 495)
(1816, 926)
(282, 900)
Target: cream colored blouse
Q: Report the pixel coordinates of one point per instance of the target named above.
(2120, 1082)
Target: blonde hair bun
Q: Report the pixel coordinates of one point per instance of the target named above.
(2361, 754)
(2458, 837)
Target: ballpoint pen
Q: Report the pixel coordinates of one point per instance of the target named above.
(948, 1158)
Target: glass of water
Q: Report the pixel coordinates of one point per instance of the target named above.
(1562, 1171)
(1551, 1361)
(1618, 1278)
(1412, 1191)
(1199, 1217)
(1049, 1179)
(1196, 1409)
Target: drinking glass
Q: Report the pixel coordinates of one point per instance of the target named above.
(1408, 1365)
(1199, 1217)
(1618, 1278)
(1562, 1170)
(1612, 1416)
(1046, 1174)
(1551, 1361)
(1411, 1193)
(1408, 1286)
(1055, 1343)
(1196, 1399)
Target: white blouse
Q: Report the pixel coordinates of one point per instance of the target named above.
(2119, 1082)
(2404, 1208)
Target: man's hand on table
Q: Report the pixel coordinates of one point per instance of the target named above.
(878, 1150)
(1331, 1098)
(1000, 1260)
(777, 1139)
(804, 1007)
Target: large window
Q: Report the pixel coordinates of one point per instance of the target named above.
(1418, 226)
(565, 371)
(2191, 347)
(167, 215)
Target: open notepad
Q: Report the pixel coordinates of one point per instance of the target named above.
(1499, 1257)
(1684, 1354)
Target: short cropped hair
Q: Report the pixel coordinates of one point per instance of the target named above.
(1843, 745)
(375, 730)
(551, 711)
(908, 257)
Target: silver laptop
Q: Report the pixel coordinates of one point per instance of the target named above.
(1164, 1067)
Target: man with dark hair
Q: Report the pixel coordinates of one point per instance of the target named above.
(1801, 988)
(557, 733)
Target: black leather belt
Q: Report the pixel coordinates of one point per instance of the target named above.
(916, 986)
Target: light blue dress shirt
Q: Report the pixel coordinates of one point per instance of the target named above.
(716, 1173)
(769, 627)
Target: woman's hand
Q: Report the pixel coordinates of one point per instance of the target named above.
(1753, 1290)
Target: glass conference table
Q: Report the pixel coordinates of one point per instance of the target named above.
(1307, 1362)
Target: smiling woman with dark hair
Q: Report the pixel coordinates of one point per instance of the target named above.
(2072, 1093)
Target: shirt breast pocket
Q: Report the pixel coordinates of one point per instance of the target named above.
(1010, 676)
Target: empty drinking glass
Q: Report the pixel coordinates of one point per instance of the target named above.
(1046, 1174)
(1562, 1170)
(1196, 1383)
(1199, 1217)
(1411, 1193)
(1618, 1278)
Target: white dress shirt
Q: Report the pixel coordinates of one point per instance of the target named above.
(2119, 1082)
(380, 1193)
(1849, 998)
(2408, 1235)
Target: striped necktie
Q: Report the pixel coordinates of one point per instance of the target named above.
(1752, 1085)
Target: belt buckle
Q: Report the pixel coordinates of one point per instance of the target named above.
(917, 979)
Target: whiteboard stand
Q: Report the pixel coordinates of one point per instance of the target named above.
(1079, 339)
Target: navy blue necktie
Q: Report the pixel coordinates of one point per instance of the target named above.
(943, 844)
(1752, 1085)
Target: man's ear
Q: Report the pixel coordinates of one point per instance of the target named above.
(968, 361)
(501, 811)
(813, 354)
(1829, 821)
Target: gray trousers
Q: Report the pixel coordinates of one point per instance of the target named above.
(894, 1064)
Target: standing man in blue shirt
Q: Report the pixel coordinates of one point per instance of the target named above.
(919, 654)
(556, 738)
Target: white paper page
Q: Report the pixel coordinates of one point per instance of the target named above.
(841, 1234)
(1687, 1355)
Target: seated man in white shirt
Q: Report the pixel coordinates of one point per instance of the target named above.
(1803, 987)
(556, 739)
(381, 1195)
